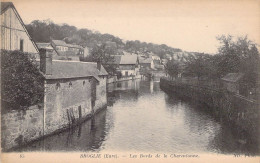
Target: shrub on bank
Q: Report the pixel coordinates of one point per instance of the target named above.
(21, 81)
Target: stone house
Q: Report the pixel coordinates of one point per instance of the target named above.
(73, 90)
(14, 35)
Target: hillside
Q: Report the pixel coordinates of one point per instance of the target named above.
(46, 30)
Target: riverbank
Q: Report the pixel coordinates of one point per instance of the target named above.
(114, 79)
(233, 109)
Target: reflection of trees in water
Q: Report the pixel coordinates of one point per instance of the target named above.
(199, 119)
(236, 143)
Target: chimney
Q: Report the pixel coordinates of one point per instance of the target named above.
(46, 61)
(99, 65)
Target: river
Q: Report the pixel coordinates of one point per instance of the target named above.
(140, 117)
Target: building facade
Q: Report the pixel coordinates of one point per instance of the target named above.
(71, 51)
(14, 35)
(73, 91)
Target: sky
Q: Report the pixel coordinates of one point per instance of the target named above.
(185, 24)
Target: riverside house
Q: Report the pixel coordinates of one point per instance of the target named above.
(73, 90)
(127, 65)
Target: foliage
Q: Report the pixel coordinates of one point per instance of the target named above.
(22, 83)
(235, 56)
(104, 55)
(199, 66)
(172, 68)
(46, 30)
(240, 55)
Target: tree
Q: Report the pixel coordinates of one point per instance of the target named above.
(172, 68)
(22, 83)
(103, 55)
(240, 56)
(198, 66)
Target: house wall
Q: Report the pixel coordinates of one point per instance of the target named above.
(130, 72)
(61, 48)
(126, 67)
(12, 32)
(101, 94)
(69, 101)
(145, 65)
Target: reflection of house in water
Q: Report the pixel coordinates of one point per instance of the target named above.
(124, 85)
(128, 89)
(151, 86)
(85, 137)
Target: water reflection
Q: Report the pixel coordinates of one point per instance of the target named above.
(141, 117)
(87, 136)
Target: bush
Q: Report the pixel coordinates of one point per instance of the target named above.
(22, 84)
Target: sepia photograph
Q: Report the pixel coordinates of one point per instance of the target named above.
(130, 81)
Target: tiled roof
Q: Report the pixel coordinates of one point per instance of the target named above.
(74, 69)
(145, 60)
(43, 45)
(128, 59)
(233, 77)
(63, 43)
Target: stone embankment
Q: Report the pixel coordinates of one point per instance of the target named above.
(234, 109)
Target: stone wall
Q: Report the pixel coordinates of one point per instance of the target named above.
(69, 101)
(101, 94)
(20, 127)
(66, 103)
(234, 109)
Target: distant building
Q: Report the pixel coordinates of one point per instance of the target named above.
(146, 63)
(14, 35)
(68, 51)
(164, 61)
(234, 82)
(168, 56)
(155, 57)
(86, 51)
(127, 65)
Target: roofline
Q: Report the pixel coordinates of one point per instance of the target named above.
(75, 78)
(23, 25)
(68, 45)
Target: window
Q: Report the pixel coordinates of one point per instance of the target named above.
(21, 45)
(84, 82)
(70, 85)
(57, 86)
